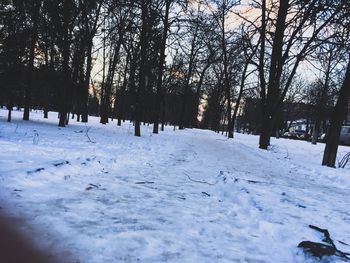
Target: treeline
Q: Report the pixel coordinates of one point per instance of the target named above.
(187, 63)
(49, 49)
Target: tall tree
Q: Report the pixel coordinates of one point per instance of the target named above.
(194, 26)
(90, 14)
(65, 49)
(34, 16)
(223, 10)
(145, 5)
(340, 110)
(338, 116)
(162, 48)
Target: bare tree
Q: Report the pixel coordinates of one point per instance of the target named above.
(289, 46)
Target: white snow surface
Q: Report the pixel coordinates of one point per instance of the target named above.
(180, 196)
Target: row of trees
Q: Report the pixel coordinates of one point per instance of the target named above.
(168, 61)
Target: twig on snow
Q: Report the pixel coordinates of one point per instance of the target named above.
(145, 182)
(197, 181)
(343, 162)
(87, 134)
(92, 186)
(287, 156)
(36, 137)
(250, 181)
(343, 243)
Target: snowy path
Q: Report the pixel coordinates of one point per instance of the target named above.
(183, 196)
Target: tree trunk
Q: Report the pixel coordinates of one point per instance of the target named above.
(226, 75)
(270, 104)
(264, 140)
(238, 101)
(338, 116)
(315, 131)
(198, 93)
(163, 115)
(321, 107)
(86, 85)
(9, 115)
(121, 106)
(143, 64)
(65, 66)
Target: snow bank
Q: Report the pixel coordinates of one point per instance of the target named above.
(96, 193)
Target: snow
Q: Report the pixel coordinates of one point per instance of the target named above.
(95, 193)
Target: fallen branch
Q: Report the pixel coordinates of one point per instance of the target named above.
(326, 234)
(319, 250)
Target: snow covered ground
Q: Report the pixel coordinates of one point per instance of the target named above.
(95, 193)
